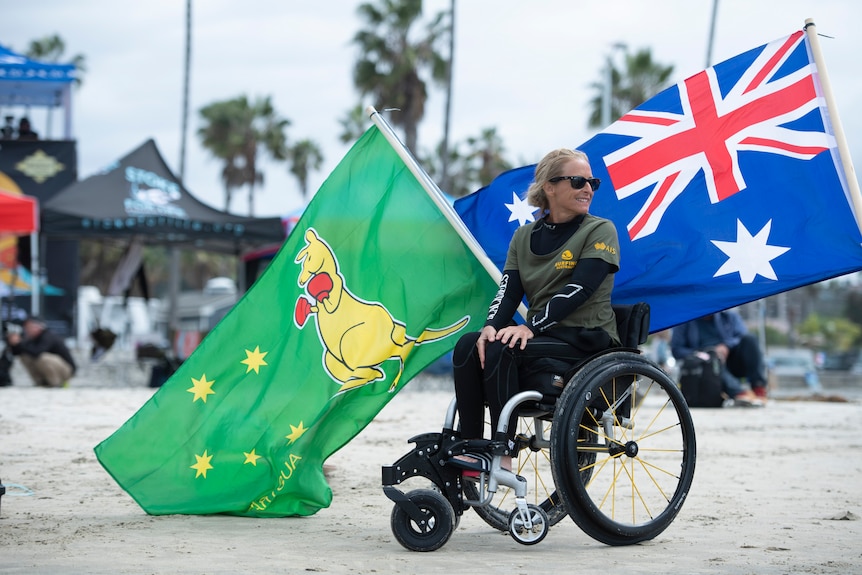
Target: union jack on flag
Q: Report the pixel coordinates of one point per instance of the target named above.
(725, 188)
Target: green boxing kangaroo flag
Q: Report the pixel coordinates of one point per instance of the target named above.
(371, 286)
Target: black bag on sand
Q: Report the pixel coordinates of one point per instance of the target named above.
(700, 380)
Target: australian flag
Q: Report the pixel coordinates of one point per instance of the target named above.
(725, 188)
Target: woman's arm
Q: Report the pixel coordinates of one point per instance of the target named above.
(587, 276)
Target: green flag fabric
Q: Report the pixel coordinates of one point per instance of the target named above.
(371, 286)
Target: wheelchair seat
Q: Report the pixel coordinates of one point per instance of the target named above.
(633, 330)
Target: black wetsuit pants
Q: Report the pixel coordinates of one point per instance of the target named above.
(499, 381)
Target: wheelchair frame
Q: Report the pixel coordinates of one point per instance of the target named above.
(593, 448)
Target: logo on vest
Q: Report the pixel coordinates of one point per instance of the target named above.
(565, 262)
(603, 247)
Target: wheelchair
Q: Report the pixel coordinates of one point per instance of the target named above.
(614, 450)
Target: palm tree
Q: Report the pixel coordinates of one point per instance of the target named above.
(461, 177)
(390, 65)
(486, 152)
(304, 156)
(353, 124)
(483, 161)
(234, 131)
(51, 49)
(641, 80)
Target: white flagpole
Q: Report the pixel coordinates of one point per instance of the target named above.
(840, 139)
(436, 195)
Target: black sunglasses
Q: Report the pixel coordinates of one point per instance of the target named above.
(578, 182)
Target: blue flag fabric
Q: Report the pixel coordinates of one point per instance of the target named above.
(725, 188)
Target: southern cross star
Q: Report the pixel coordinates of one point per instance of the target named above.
(520, 210)
(749, 255)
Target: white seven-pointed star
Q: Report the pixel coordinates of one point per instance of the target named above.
(749, 255)
(521, 210)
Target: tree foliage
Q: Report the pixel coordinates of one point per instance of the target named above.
(353, 124)
(235, 131)
(833, 333)
(51, 49)
(391, 64)
(640, 80)
(482, 160)
(304, 156)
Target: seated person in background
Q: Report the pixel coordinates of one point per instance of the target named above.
(43, 354)
(565, 264)
(8, 129)
(737, 349)
(25, 132)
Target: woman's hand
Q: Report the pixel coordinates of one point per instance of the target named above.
(487, 334)
(511, 335)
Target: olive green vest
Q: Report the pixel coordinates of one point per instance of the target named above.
(544, 276)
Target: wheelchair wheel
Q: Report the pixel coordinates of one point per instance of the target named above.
(518, 530)
(623, 462)
(433, 531)
(533, 463)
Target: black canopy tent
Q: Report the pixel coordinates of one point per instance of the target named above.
(138, 199)
(139, 196)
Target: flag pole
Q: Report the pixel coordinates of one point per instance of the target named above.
(434, 191)
(436, 195)
(840, 139)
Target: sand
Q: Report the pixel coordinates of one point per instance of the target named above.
(777, 490)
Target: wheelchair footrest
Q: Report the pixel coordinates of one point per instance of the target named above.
(476, 462)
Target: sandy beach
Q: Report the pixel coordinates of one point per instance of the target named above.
(777, 490)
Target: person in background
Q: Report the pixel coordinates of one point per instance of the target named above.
(564, 264)
(25, 132)
(43, 354)
(738, 350)
(8, 129)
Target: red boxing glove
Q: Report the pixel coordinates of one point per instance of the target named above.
(302, 311)
(320, 286)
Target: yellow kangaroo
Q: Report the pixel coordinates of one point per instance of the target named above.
(357, 335)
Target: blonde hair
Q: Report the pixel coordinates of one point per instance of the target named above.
(549, 167)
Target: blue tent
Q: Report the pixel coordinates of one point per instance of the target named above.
(26, 82)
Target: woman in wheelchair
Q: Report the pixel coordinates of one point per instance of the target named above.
(564, 264)
(606, 437)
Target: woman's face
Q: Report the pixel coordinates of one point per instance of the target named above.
(566, 202)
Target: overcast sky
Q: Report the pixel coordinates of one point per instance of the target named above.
(522, 67)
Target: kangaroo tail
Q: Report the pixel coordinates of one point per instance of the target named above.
(432, 334)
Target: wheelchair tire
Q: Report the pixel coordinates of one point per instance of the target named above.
(532, 463)
(536, 533)
(622, 485)
(437, 526)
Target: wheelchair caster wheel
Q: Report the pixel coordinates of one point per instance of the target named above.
(529, 536)
(428, 532)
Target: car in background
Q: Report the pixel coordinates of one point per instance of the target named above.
(839, 360)
(792, 367)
